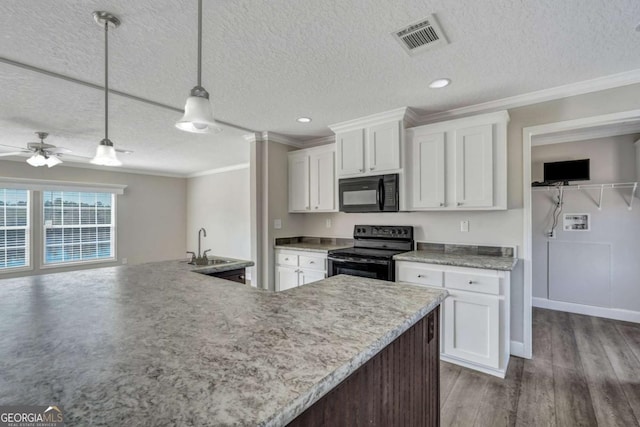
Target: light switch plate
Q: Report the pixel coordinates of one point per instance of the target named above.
(327, 223)
(277, 224)
(464, 226)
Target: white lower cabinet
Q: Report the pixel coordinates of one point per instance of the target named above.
(474, 317)
(298, 268)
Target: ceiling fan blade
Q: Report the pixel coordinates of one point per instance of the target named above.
(72, 155)
(60, 150)
(16, 153)
(124, 151)
(12, 146)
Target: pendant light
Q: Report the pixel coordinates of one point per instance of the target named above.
(198, 114)
(105, 153)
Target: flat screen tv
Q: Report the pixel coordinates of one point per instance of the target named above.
(570, 170)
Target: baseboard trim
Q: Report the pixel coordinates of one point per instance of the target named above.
(609, 313)
(517, 349)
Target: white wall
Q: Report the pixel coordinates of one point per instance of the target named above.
(219, 202)
(612, 160)
(151, 214)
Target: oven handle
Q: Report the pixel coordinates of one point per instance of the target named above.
(380, 194)
(357, 261)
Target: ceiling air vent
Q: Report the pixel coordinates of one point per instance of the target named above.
(420, 36)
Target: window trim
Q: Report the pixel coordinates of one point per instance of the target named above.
(29, 257)
(113, 259)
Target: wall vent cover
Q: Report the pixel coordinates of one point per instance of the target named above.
(420, 36)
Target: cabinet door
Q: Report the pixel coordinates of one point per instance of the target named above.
(474, 167)
(428, 174)
(286, 278)
(350, 147)
(383, 146)
(310, 276)
(472, 328)
(299, 183)
(322, 182)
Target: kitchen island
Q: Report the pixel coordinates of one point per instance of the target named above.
(156, 344)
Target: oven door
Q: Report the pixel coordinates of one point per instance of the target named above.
(374, 269)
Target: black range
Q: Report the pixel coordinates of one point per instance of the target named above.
(373, 251)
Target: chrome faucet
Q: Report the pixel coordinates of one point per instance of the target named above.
(200, 232)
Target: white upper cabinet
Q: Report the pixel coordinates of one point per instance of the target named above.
(299, 182)
(322, 184)
(474, 166)
(371, 145)
(428, 171)
(383, 146)
(350, 152)
(459, 164)
(312, 180)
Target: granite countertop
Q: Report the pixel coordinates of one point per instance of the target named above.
(312, 247)
(229, 264)
(154, 344)
(460, 260)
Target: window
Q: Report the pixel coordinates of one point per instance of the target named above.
(14, 228)
(78, 226)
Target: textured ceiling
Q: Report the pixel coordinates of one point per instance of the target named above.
(268, 62)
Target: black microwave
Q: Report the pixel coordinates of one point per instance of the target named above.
(378, 193)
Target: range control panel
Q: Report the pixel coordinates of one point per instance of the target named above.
(404, 232)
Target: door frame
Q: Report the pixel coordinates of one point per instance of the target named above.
(528, 133)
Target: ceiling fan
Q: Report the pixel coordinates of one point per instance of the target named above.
(45, 154)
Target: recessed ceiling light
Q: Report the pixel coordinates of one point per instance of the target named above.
(439, 83)
(303, 120)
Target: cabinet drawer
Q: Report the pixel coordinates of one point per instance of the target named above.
(312, 262)
(472, 282)
(288, 259)
(420, 275)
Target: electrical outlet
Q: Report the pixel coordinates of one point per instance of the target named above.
(327, 223)
(277, 224)
(464, 226)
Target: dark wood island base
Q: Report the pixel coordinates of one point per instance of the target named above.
(400, 386)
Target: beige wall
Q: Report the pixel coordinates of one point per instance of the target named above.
(151, 214)
(219, 202)
(500, 227)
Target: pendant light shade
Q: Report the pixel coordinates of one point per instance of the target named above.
(198, 114)
(105, 153)
(52, 161)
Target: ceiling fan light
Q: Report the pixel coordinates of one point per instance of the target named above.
(106, 155)
(198, 116)
(52, 161)
(37, 160)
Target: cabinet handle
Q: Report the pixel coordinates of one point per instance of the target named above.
(312, 262)
(459, 203)
(471, 282)
(361, 170)
(420, 276)
(316, 207)
(286, 259)
(371, 169)
(441, 203)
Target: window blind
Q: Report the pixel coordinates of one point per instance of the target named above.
(14, 228)
(78, 226)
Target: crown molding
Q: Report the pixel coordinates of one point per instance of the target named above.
(397, 114)
(584, 134)
(319, 141)
(219, 170)
(281, 139)
(572, 89)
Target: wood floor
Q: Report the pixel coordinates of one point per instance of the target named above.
(585, 371)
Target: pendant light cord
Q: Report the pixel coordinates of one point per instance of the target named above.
(199, 42)
(106, 80)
